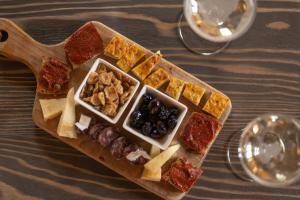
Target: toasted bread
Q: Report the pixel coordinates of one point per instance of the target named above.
(157, 79)
(116, 48)
(130, 58)
(193, 93)
(216, 104)
(175, 88)
(145, 68)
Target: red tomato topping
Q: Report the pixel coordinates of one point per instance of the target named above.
(84, 44)
(53, 77)
(182, 175)
(199, 132)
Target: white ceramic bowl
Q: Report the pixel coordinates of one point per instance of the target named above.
(90, 107)
(164, 142)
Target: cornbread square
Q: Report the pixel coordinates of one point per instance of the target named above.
(145, 68)
(175, 88)
(193, 93)
(157, 78)
(116, 48)
(130, 58)
(216, 104)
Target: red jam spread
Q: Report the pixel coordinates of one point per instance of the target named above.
(199, 131)
(182, 175)
(53, 77)
(84, 44)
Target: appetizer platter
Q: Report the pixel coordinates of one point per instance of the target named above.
(122, 105)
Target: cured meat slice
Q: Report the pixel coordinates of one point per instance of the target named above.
(182, 175)
(118, 146)
(107, 136)
(199, 132)
(95, 130)
(53, 77)
(84, 44)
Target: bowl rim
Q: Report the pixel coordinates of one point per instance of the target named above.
(162, 145)
(90, 107)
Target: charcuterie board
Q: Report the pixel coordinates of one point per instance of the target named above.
(19, 46)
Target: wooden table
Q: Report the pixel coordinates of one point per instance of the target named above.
(260, 72)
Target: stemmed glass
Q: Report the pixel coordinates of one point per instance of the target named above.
(217, 22)
(267, 151)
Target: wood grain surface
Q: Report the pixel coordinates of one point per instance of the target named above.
(260, 72)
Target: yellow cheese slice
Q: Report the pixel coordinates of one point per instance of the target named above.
(159, 160)
(51, 108)
(66, 123)
(151, 175)
(154, 151)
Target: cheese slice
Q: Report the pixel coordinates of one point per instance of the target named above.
(154, 151)
(51, 108)
(151, 175)
(159, 160)
(66, 123)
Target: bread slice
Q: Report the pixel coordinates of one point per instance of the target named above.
(130, 58)
(193, 93)
(175, 88)
(157, 78)
(116, 48)
(145, 68)
(216, 104)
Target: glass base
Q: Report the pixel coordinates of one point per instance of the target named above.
(233, 157)
(190, 39)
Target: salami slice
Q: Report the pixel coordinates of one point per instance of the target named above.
(118, 146)
(107, 136)
(95, 130)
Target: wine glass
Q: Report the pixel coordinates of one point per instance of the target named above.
(216, 21)
(268, 151)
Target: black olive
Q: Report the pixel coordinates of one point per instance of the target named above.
(161, 128)
(163, 113)
(147, 128)
(153, 106)
(172, 122)
(174, 111)
(146, 99)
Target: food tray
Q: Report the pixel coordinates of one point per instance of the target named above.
(13, 48)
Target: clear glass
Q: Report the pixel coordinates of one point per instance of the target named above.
(268, 151)
(216, 21)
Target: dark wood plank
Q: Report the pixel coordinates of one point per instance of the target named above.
(260, 73)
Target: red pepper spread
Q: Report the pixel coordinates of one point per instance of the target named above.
(84, 44)
(53, 77)
(182, 175)
(199, 132)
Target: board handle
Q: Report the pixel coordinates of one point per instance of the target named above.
(17, 45)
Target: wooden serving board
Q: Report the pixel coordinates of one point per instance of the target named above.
(21, 47)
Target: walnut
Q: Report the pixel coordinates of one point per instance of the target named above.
(93, 78)
(101, 68)
(124, 97)
(110, 109)
(87, 99)
(111, 93)
(118, 86)
(95, 100)
(106, 78)
(101, 97)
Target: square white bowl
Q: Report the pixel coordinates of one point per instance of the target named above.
(90, 107)
(164, 142)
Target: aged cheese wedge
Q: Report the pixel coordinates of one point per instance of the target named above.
(145, 68)
(51, 108)
(175, 88)
(66, 123)
(193, 93)
(116, 48)
(157, 78)
(151, 175)
(130, 58)
(159, 160)
(154, 151)
(216, 104)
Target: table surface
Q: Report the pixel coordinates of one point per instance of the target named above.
(260, 72)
